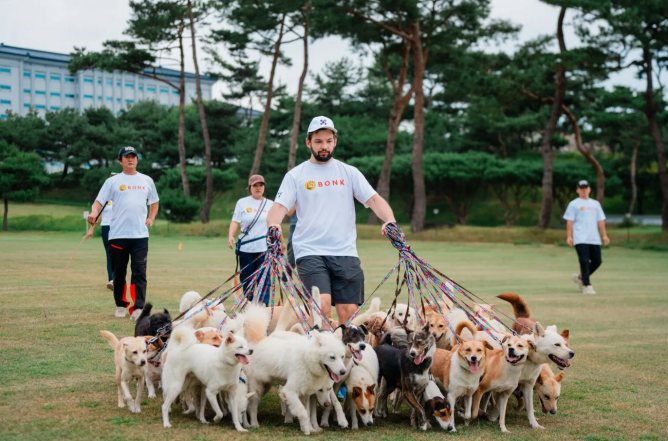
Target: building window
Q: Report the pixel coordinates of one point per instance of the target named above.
(99, 81)
(4, 87)
(26, 105)
(55, 108)
(40, 106)
(55, 77)
(150, 89)
(26, 74)
(88, 80)
(55, 94)
(3, 116)
(118, 100)
(175, 92)
(40, 76)
(88, 96)
(5, 70)
(7, 102)
(69, 95)
(118, 83)
(129, 101)
(129, 85)
(109, 83)
(164, 90)
(40, 92)
(26, 90)
(69, 80)
(108, 98)
(99, 98)
(141, 87)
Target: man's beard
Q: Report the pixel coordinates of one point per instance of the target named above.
(320, 158)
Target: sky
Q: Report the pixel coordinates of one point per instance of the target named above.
(60, 25)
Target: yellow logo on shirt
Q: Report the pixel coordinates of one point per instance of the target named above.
(249, 210)
(582, 208)
(310, 185)
(122, 187)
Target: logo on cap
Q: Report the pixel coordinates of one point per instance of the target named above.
(310, 185)
(122, 187)
(323, 122)
(129, 149)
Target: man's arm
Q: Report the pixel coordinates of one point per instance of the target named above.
(276, 215)
(94, 211)
(382, 210)
(569, 233)
(152, 214)
(601, 228)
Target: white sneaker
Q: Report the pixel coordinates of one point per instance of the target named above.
(120, 311)
(110, 285)
(588, 290)
(578, 281)
(135, 315)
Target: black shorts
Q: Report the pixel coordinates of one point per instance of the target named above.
(340, 276)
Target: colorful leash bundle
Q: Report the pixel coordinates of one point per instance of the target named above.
(276, 272)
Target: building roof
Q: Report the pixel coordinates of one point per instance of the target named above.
(55, 57)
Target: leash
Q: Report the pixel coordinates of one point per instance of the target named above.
(71, 259)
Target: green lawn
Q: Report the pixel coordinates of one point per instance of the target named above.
(56, 373)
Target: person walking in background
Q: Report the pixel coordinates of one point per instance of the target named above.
(105, 221)
(585, 223)
(130, 192)
(251, 213)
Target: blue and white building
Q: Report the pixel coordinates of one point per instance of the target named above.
(40, 79)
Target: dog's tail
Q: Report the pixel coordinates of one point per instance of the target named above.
(520, 308)
(315, 298)
(188, 300)
(397, 337)
(468, 325)
(181, 339)
(256, 322)
(111, 338)
(146, 311)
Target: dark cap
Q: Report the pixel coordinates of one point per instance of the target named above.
(125, 151)
(583, 184)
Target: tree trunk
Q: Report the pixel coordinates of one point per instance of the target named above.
(267, 109)
(419, 192)
(550, 128)
(397, 109)
(292, 156)
(208, 200)
(182, 119)
(634, 186)
(4, 219)
(651, 111)
(600, 177)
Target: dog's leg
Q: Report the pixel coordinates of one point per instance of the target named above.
(484, 404)
(527, 393)
(452, 399)
(150, 387)
(338, 410)
(381, 392)
(140, 392)
(234, 409)
(121, 401)
(212, 395)
(324, 420)
(417, 407)
(170, 391)
(398, 401)
(476, 403)
(350, 404)
(297, 408)
(202, 407)
(502, 403)
(127, 396)
(254, 400)
(312, 405)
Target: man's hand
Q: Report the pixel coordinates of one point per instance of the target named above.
(606, 240)
(89, 234)
(92, 217)
(569, 241)
(230, 242)
(149, 221)
(383, 229)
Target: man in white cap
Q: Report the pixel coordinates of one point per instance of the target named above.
(584, 220)
(324, 242)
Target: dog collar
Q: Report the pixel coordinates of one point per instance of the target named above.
(242, 380)
(155, 363)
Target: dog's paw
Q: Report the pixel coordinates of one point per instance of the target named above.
(217, 418)
(167, 425)
(254, 425)
(188, 411)
(343, 425)
(538, 426)
(152, 395)
(241, 429)
(324, 424)
(203, 421)
(504, 430)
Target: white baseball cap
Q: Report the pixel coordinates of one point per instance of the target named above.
(321, 122)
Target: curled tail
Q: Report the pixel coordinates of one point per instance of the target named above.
(468, 325)
(111, 338)
(182, 338)
(188, 300)
(146, 311)
(520, 308)
(256, 322)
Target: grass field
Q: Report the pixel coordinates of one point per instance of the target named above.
(56, 373)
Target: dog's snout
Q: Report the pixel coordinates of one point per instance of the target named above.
(143, 362)
(369, 423)
(362, 346)
(413, 353)
(572, 354)
(511, 350)
(553, 412)
(448, 429)
(474, 358)
(250, 352)
(342, 372)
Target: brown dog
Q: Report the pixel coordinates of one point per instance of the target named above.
(377, 327)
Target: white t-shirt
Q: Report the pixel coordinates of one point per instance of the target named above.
(131, 194)
(325, 207)
(585, 214)
(107, 214)
(244, 213)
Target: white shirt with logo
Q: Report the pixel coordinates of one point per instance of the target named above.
(107, 214)
(585, 214)
(244, 213)
(131, 195)
(325, 197)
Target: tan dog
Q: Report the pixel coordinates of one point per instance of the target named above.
(377, 327)
(548, 389)
(130, 359)
(502, 373)
(461, 369)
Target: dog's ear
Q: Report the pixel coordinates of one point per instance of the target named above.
(371, 389)
(426, 328)
(429, 408)
(488, 345)
(538, 330)
(539, 380)
(316, 338)
(166, 312)
(250, 394)
(230, 339)
(357, 391)
(505, 338)
(199, 335)
(532, 345)
(364, 329)
(559, 376)
(565, 333)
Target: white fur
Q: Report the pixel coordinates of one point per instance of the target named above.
(374, 306)
(362, 378)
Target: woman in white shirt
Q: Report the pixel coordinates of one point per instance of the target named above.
(251, 214)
